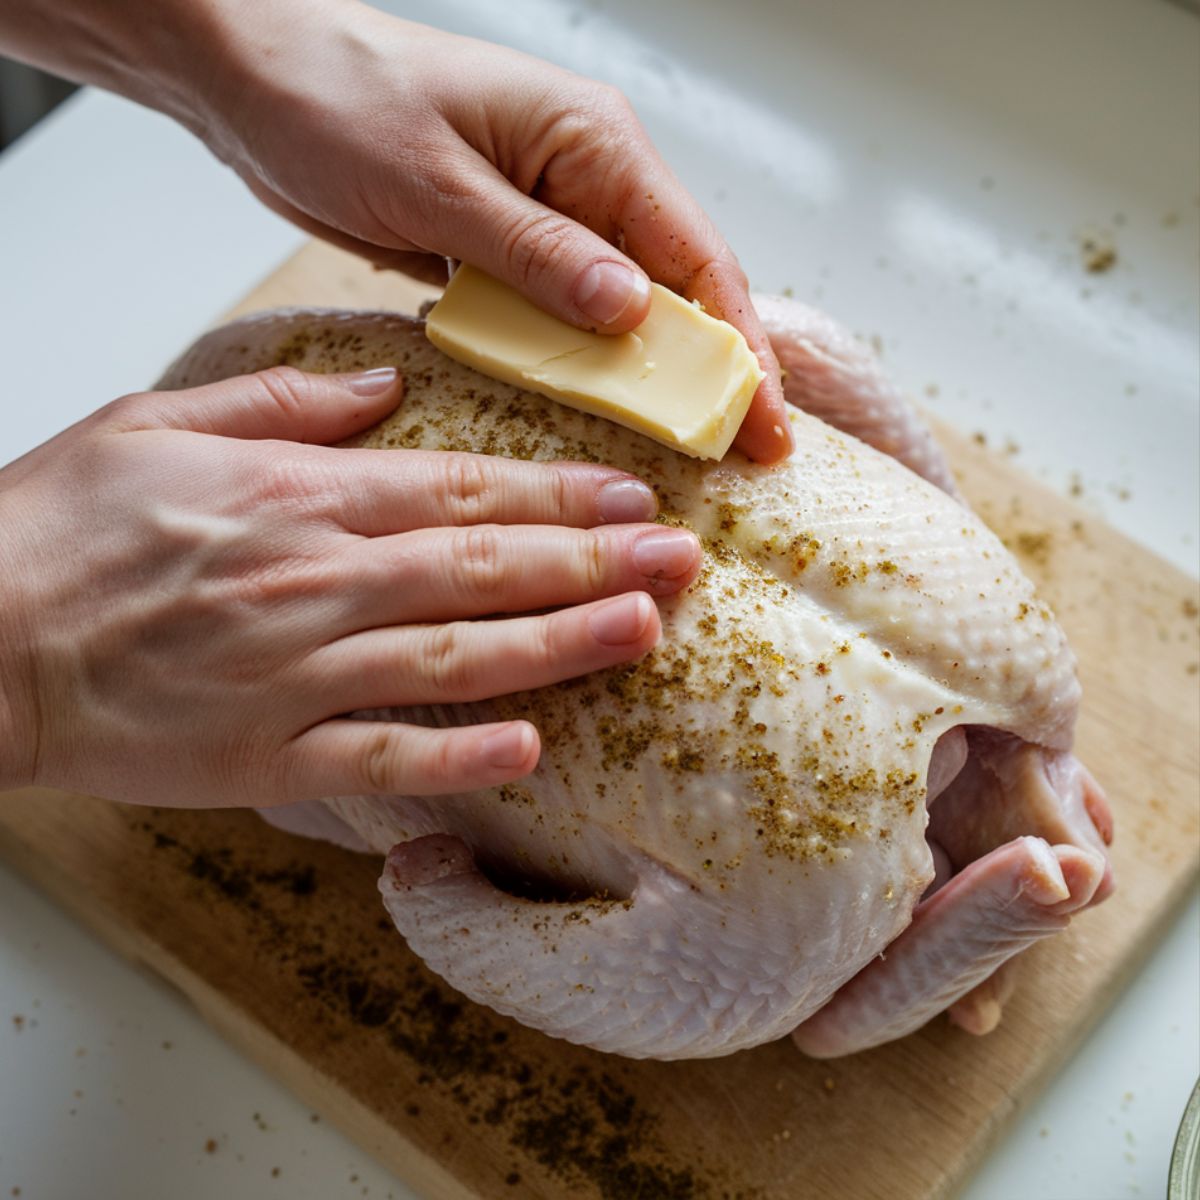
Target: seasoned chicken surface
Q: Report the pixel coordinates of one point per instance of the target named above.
(853, 738)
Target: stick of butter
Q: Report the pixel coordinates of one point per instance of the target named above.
(681, 377)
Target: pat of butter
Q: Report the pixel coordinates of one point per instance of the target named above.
(681, 377)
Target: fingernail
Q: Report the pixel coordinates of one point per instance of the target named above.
(371, 383)
(624, 501)
(508, 747)
(606, 289)
(621, 621)
(665, 552)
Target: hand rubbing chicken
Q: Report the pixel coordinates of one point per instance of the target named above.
(853, 738)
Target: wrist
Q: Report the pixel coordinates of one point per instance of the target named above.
(259, 66)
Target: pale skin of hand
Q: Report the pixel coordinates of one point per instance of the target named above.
(194, 598)
(409, 146)
(183, 613)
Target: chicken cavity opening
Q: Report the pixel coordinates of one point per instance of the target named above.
(543, 885)
(595, 869)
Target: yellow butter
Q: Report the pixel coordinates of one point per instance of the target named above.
(681, 377)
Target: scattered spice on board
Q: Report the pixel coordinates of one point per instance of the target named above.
(577, 1123)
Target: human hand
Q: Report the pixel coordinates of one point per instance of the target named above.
(408, 146)
(190, 605)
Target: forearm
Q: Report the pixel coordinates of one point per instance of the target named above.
(170, 55)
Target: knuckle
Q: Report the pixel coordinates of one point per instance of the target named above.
(723, 267)
(125, 412)
(480, 560)
(469, 488)
(545, 642)
(536, 241)
(594, 560)
(287, 389)
(379, 762)
(441, 767)
(613, 103)
(560, 487)
(447, 185)
(447, 666)
(285, 478)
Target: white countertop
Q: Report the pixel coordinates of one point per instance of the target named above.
(923, 171)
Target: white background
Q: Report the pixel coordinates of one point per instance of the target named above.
(926, 172)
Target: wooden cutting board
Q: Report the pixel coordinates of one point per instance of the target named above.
(284, 946)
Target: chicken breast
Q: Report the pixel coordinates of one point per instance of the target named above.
(720, 841)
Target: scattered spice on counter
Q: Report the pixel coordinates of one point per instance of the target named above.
(1099, 253)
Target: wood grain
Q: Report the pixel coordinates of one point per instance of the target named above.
(283, 945)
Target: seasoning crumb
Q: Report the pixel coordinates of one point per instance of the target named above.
(274, 1172)
(979, 437)
(1035, 546)
(314, 1117)
(18, 1022)
(168, 1045)
(210, 1147)
(1044, 1132)
(828, 1084)
(262, 1125)
(1099, 253)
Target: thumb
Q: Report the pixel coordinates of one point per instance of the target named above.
(558, 264)
(280, 402)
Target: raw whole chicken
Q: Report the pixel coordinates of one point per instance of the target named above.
(854, 736)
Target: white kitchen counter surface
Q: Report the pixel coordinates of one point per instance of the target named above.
(927, 172)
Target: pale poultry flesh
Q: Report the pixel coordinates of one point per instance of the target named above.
(836, 800)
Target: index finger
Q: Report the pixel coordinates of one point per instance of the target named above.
(655, 221)
(381, 492)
